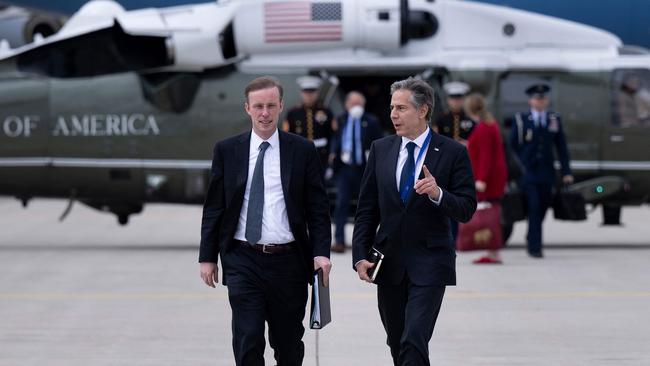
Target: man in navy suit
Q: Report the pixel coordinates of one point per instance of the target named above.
(266, 215)
(350, 146)
(533, 136)
(413, 184)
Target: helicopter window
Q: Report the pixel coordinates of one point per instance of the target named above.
(421, 24)
(631, 98)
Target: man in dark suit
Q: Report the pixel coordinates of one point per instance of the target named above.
(350, 147)
(533, 136)
(413, 218)
(266, 214)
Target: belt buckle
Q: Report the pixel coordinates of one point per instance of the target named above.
(264, 246)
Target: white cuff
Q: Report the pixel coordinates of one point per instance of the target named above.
(437, 202)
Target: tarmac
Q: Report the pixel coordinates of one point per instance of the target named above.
(86, 291)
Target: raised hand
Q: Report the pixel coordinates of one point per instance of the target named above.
(427, 185)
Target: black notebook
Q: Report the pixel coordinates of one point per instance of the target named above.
(320, 303)
(377, 258)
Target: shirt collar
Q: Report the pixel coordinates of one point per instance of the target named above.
(536, 114)
(273, 141)
(419, 141)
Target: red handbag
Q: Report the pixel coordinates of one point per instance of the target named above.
(483, 231)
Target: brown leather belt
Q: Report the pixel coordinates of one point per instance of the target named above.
(269, 248)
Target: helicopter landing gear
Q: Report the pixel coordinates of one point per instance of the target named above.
(611, 215)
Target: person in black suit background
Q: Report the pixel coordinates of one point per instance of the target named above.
(266, 215)
(350, 147)
(413, 218)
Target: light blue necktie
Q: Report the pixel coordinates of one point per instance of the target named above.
(352, 140)
(256, 199)
(357, 141)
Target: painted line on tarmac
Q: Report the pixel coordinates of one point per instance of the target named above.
(171, 296)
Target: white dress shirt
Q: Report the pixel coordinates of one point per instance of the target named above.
(538, 116)
(403, 155)
(275, 222)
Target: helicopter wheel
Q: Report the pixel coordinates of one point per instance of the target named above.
(123, 219)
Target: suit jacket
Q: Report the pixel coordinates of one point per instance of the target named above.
(302, 186)
(370, 131)
(415, 237)
(534, 147)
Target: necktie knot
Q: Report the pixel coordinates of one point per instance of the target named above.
(411, 149)
(264, 145)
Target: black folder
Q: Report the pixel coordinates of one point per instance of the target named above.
(321, 313)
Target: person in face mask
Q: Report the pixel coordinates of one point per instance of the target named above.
(350, 147)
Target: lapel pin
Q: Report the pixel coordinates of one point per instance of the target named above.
(436, 149)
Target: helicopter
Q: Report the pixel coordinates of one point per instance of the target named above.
(624, 18)
(121, 108)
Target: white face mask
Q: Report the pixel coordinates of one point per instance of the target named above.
(356, 111)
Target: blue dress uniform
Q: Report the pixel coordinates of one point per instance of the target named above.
(533, 136)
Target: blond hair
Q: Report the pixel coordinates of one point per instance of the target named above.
(475, 106)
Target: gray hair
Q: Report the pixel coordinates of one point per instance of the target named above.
(421, 93)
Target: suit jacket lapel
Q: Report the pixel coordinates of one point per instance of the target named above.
(240, 157)
(390, 167)
(344, 122)
(286, 162)
(434, 150)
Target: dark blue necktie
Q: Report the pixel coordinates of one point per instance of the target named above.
(256, 199)
(408, 173)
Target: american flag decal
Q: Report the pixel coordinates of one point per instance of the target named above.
(302, 21)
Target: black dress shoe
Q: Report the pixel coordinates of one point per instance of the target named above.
(536, 254)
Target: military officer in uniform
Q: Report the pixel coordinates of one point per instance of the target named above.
(311, 120)
(454, 123)
(533, 136)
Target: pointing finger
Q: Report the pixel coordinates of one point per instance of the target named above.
(426, 171)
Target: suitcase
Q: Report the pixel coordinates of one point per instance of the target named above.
(483, 231)
(569, 206)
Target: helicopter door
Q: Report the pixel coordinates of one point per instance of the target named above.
(628, 130)
(24, 135)
(626, 136)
